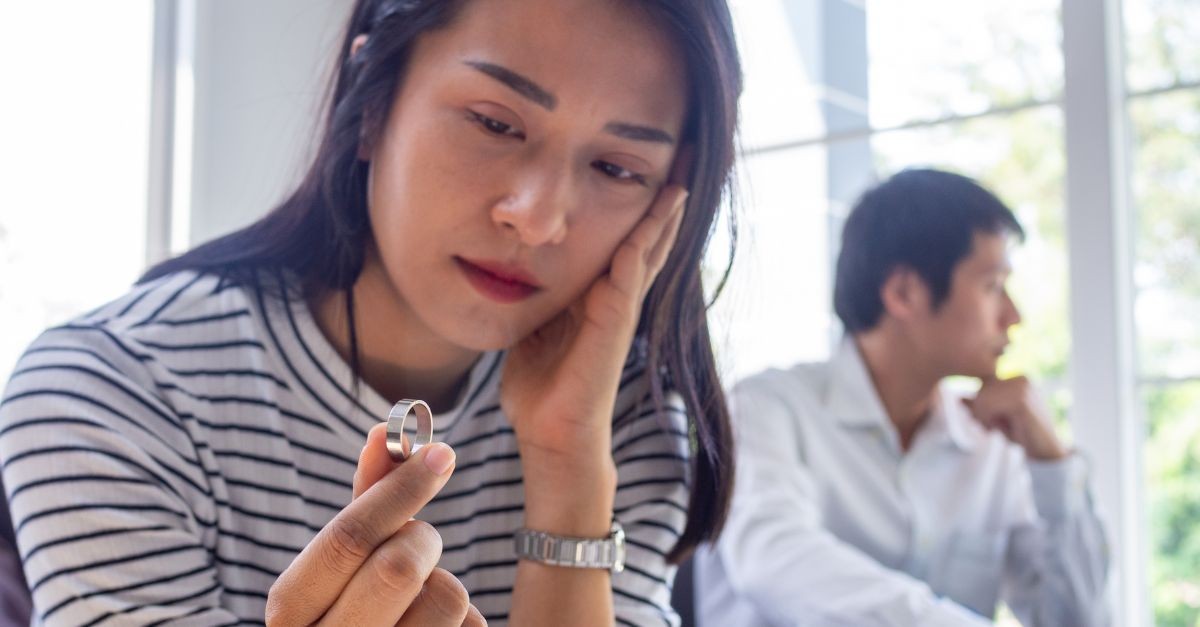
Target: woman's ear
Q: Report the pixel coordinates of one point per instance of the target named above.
(905, 294)
(364, 149)
(357, 45)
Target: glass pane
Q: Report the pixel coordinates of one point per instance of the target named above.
(781, 95)
(1162, 43)
(1172, 454)
(926, 59)
(934, 58)
(75, 128)
(776, 310)
(1166, 184)
(1020, 157)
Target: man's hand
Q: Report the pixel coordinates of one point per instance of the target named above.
(1013, 407)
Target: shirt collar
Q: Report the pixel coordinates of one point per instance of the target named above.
(851, 398)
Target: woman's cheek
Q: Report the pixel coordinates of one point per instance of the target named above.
(602, 236)
(622, 204)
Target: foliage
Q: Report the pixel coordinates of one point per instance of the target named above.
(1172, 455)
(1166, 186)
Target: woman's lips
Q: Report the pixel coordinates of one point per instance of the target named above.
(498, 282)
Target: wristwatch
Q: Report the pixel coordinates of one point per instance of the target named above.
(607, 553)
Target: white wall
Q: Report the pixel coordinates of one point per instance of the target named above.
(259, 71)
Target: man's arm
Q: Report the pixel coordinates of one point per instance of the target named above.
(1057, 564)
(777, 553)
(1057, 567)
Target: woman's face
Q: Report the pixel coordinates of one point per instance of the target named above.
(525, 142)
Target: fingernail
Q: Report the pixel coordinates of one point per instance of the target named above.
(439, 458)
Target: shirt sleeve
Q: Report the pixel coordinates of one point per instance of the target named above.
(650, 449)
(776, 552)
(14, 592)
(106, 489)
(1057, 564)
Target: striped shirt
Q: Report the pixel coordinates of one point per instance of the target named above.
(167, 455)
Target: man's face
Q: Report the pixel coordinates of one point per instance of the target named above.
(968, 333)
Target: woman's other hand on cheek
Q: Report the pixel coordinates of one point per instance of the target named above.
(560, 383)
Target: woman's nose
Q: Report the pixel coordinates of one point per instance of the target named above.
(537, 207)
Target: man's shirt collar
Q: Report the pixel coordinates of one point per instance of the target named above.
(852, 400)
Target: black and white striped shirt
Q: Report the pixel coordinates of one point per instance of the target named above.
(167, 456)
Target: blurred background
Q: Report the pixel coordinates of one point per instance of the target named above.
(132, 130)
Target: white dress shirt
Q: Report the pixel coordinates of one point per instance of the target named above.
(833, 524)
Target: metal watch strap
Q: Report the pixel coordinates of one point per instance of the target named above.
(607, 553)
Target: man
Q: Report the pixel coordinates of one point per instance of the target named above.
(867, 492)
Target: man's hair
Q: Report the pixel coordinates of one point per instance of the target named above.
(921, 219)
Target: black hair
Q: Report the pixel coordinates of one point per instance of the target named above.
(320, 232)
(921, 219)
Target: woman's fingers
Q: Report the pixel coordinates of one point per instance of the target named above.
(391, 580)
(658, 237)
(657, 257)
(317, 577)
(631, 263)
(442, 602)
(474, 618)
(374, 461)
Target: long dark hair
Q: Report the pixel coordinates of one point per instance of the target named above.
(319, 233)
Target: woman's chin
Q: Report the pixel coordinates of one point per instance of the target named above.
(484, 335)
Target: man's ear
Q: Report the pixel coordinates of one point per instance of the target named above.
(905, 294)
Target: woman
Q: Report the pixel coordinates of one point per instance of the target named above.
(508, 196)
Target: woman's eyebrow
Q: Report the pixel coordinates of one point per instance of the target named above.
(537, 94)
(520, 84)
(639, 133)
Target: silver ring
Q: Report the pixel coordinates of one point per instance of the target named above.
(397, 444)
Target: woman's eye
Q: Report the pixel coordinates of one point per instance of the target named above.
(495, 127)
(617, 172)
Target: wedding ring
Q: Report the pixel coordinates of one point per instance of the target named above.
(398, 446)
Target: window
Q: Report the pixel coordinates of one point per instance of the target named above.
(74, 157)
(1163, 88)
(777, 307)
(839, 94)
(843, 92)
